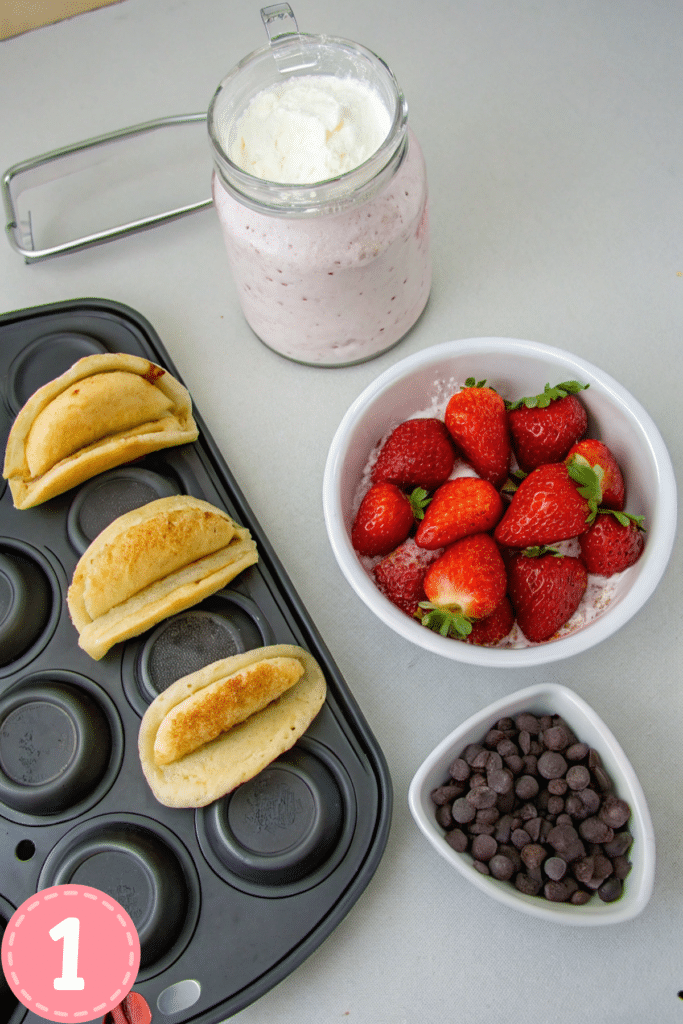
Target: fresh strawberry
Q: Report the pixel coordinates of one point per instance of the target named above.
(477, 422)
(400, 576)
(418, 452)
(495, 627)
(545, 426)
(552, 503)
(384, 519)
(596, 454)
(459, 507)
(465, 583)
(613, 543)
(545, 589)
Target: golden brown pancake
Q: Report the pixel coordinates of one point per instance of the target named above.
(104, 411)
(211, 767)
(151, 563)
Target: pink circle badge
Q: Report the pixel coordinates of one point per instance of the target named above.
(70, 953)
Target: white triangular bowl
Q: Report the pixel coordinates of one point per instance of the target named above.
(552, 699)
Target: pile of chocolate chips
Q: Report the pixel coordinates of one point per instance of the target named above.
(534, 806)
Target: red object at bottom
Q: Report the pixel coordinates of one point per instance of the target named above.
(131, 1010)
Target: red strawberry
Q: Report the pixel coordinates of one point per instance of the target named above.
(418, 452)
(544, 427)
(459, 507)
(545, 589)
(553, 503)
(613, 543)
(466, 582)
(384, 519)
(134, 1009)
(400, 576)
(596, 454)
(495, 627)
(477, 422)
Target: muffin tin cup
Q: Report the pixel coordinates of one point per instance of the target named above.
(285, 830)
(227, 623)
(141, 864)
(101, 500)
(43, 359)
(28, 600)
(227, 899)
(61, 746)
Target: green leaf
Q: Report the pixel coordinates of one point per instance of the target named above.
(588, 482)
(538, 550)
(444, 621)
(624, 518)
(419, 499)
(548, 395)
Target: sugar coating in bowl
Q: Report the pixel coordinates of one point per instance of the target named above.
(421, 384)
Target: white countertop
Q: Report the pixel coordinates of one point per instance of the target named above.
(553, 135)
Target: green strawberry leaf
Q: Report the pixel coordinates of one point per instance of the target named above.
(513, 481)
(548, 395)
(588, 482)
(419, 499)
(471, 382)
(538, 550)
(443, 621)
(624, 518)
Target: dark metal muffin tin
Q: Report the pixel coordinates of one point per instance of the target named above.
(227, 899)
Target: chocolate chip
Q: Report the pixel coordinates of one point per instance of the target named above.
(457, 839)
(519, 838)
(551, 765)
(593, 830)
(463, 811)
(528, 723)
(555, 868)
(447, 794)
(535, 808)
(501, 867)
(619, 845)
(614, 812)
(500, 780)
(459, 770)
(482, 796)
(533, 855)
(556, 738)
(484, 847)
(566, 842)
(526, 787)
(578, 777)
(610, 890)
(526, 884)
(559, 892)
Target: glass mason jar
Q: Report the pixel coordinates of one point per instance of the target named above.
(335, 272)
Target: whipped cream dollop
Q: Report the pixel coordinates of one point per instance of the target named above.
(309, 129)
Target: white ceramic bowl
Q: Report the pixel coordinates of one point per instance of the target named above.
(589, 728)
(515, 368)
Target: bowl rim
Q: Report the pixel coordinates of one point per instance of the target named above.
(566, 703)
(664, 516)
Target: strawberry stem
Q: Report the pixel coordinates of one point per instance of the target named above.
(419, 499)
(538, 550)
(589, 481)
(444, 621)
(548, 395)
(624, 518)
